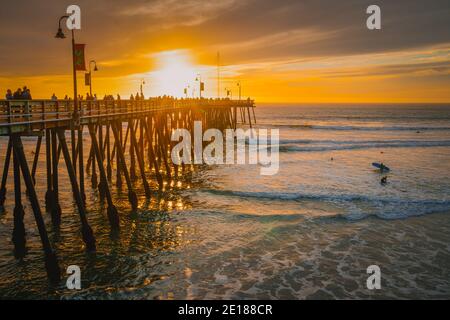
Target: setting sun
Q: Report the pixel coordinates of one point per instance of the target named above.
(174, 72)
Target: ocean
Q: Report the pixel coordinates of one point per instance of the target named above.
(308, 232)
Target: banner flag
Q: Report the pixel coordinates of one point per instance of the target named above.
(79, 57)
(87, 79)
(202, 86)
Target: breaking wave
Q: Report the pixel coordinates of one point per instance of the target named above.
(294, 146)
(361, 128)
(384, 208)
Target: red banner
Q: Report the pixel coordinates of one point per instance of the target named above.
(80, 65)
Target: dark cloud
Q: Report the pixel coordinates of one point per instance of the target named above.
(425, 68)
(246, 30)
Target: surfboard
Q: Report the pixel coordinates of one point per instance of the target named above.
(381, 167)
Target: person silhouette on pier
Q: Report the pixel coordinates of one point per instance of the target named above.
(9, 95)
(54, 97)
(17, 94)
(26, 94)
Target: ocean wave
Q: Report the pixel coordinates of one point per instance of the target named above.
(383, 208)
(285, 147)
(305, 196)
(360, 128)
(365, 117)
(364, 142)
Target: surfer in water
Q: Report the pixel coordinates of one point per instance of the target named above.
(384, 180)
(380, 166)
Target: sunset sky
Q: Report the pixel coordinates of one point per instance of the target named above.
(281, 51)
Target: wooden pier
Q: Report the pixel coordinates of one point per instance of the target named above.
(140, 129)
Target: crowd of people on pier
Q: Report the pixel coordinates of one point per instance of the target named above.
(20, 94)
(25, 94)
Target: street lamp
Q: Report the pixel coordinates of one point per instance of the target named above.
(90, 74)
(240, 87)
(60, 35)
(142, 84)
(199, 79)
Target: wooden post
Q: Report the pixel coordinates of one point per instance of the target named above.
(56, 208)
(5, 175)
(131, 150)
(108, 154)
(101, 186)
(112, 213)
(162, 143)
(94, 180)
(18, 234)
(118, 166)
(48, 157)
(51, 262)
(131, 194)
(89, 160)
(72, 138)
(140, 160)
(81, 161)
(36, 158)
(86, 231)
(152, 154)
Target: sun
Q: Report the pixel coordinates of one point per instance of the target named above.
(174, 72)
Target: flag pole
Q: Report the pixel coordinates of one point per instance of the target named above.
(75, 93)
(218, 75)
(76, 116)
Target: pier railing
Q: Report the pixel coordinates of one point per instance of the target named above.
(27, 115)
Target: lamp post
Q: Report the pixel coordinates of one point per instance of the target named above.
(76, 113)
(90, 74)
(240, 87)
(142, 85)
(199, 79)
(61, 35)
(235, 108)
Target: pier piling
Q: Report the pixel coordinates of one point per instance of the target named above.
(145, 147)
